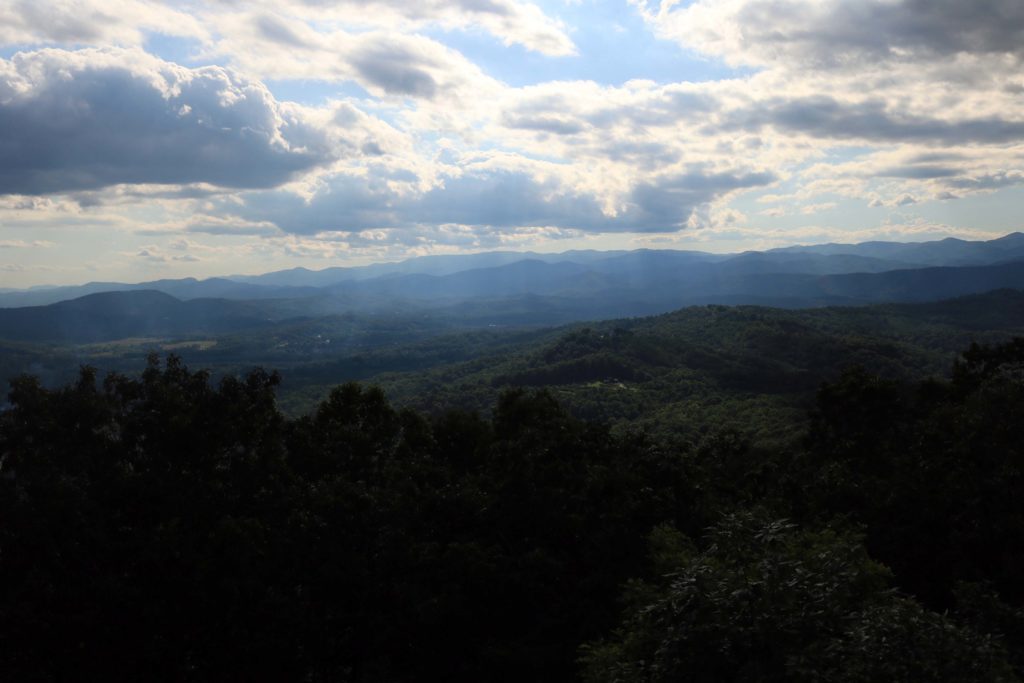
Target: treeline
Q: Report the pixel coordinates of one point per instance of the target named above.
(163, 528)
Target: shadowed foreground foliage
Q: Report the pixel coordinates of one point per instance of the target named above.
(163, 528)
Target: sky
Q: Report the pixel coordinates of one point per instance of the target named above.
(142, 139)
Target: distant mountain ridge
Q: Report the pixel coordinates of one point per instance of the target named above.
(620, 268)
(946, 252)
(520, 289)
(526, 293)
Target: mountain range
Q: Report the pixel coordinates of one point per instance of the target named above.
(518, 288)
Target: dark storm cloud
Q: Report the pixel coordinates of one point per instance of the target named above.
(90, 119)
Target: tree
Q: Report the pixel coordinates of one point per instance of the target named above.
(766, 601)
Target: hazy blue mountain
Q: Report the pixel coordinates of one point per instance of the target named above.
(521, 277)
(186, 288)
(946, 252)
(653, 274)
(596, 284)
(41, 296)
(752, 262)
(924, 284)
(439, 264)
(120, 315)
(646, 282)
(824, 259)
(222, 288)
(533, 293)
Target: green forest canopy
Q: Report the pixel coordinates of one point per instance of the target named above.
(165, 527)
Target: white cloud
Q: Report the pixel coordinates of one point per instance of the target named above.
(92, 22)
(838, 34)
(387, 63)
(89, 119)
(514, 22)
(882, 102)
(128, 22)
(23, 244)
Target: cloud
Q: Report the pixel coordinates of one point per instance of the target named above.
(386, 63)
(936, 74)
(93, 118)
(811, 209)
(489, 196)
(22, 244)
(217, 225)
(128, 22)
(176, 252)
(92, 22)
(669, 202)
(988, 181)
(546, 123)
(889, 176)
(872, 120)
(872, 101)
(512, 21)
(833, 34)
(922, 172)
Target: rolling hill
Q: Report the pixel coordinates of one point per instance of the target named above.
(117, 315)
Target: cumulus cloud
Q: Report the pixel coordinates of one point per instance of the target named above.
(938, 80)
(128, 22)
(988, 181)
(871, 120)
(93, 22)
(841, 34)
(514, 22)
(93, 118)
(891, 175)
(385, 62)
(881, 101)
(490, 196)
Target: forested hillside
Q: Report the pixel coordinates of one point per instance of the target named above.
(747, 368)
(717, 493)
(750, 369)
(169, 528)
